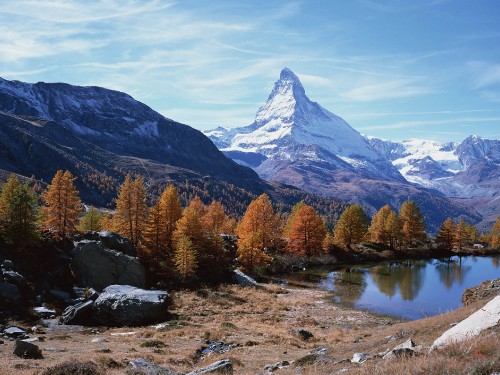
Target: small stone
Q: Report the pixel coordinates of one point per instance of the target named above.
(103, 350)
(303, 334)
(224, 366)
(98, 340)
(360, 357)
(14, 332)
(54, 349)
(26, 349)
(44, 312)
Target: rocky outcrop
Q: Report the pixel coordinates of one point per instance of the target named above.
(488, 288)
(484, 318)
(98, 267)
(124, 305)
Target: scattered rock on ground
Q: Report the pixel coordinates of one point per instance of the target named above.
(484, 318)
(142, 366)
(224, 366)
(243, 279)
(273, 367)
(302, 334)
(120, 305)
(15, 332)
(44, 312)
(25, 349)
(360, 357)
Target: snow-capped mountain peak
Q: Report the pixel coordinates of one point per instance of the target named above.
(290, 126)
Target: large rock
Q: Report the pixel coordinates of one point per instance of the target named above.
(124, 305)
(9, 292)
(482, 319)
(114, 241)
(79, 314)
(97, 267)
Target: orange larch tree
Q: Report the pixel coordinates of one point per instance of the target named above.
(307, 232)
(62, 205)
(258, 231)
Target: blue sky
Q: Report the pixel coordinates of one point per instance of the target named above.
(393, 69)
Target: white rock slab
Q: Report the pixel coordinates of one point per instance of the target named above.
(486, 317)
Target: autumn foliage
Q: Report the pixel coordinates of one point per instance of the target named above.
(62, 205)
(258, 232)
(307, 232)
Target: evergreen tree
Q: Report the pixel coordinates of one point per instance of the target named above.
(62, 205)
(258, 231)
(131, 209)
(351, 227)
(307, 232)
(412, 223)
(21, 229)
(446, 234)
(185, 257)
(92, 220)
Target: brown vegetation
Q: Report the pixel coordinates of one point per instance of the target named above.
(259, 326)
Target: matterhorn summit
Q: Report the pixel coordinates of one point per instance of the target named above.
(290, 127)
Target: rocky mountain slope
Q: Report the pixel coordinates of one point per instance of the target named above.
(468, 171)
(101, 135)
(296, 141)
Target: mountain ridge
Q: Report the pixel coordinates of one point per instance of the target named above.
(295, 141)
(101, 135)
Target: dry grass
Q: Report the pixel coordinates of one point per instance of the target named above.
(259, 326)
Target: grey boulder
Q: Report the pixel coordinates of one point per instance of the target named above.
(125, 305)
(97, 267)
(114, 241)
(144, 367)
(224, 366)
(243, 279)
(26, 349)
(79, 314)
(9, 292)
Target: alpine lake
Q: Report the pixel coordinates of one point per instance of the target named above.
(412, 289)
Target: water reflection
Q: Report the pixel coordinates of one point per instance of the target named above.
(407, 277)
(410, 289)
(452, 272)
(348, 285)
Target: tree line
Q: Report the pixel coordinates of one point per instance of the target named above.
(186, 243)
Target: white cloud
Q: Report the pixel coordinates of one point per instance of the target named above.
(401, 88)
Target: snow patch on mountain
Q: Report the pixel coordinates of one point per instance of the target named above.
(289, 122)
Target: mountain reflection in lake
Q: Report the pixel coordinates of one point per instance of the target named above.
(412, 289)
